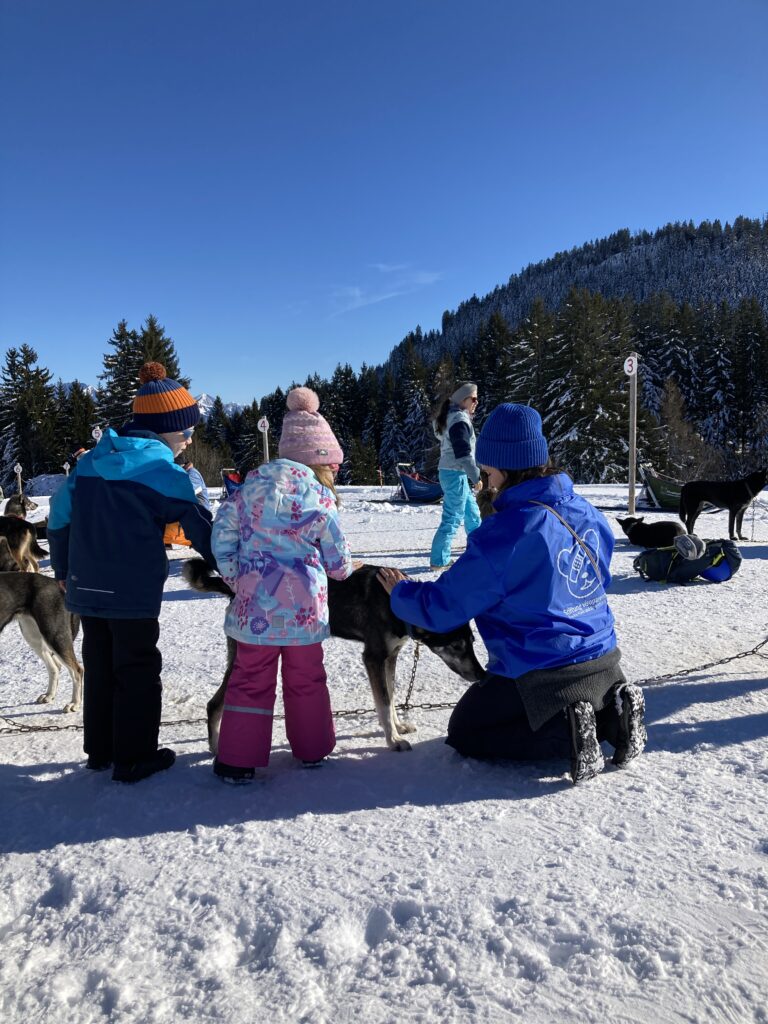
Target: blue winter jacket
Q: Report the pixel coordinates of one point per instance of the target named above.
(106, 526)
(526, 581)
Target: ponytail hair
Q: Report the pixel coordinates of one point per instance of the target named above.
(324, 475)
(441, 417)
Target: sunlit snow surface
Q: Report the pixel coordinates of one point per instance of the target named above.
(403, 887)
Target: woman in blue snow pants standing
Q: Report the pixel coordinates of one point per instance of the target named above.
(458, 471)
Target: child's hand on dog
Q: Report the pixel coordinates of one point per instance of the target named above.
(389, 578)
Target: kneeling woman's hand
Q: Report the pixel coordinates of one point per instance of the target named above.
(389, 578)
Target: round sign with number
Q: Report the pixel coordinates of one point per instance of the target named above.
(630, 366)
(263, 424)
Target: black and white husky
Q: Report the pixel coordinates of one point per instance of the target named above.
(359, 610)
(37, 604)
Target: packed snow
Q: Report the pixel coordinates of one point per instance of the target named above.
(417, 886)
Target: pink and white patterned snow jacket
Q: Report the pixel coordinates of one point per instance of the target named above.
(275, 539)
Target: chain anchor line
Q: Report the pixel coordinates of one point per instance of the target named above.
(756, 651)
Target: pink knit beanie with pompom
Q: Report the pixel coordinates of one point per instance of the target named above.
(306, 436)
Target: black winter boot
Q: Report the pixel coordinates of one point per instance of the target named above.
(632, 737)
(232, 773)
(586, 756)
(163, 759)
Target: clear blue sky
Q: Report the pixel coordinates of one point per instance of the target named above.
(293, 184)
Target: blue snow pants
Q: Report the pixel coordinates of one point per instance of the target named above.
(459, 505)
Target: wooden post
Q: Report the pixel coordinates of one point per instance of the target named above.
(630, 368)
(17, 471)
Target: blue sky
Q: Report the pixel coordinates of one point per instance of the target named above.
(294, 184)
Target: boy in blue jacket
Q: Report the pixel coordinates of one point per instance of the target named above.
(534, 578)
(105, 531)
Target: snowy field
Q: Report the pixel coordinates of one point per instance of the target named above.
(415, 886)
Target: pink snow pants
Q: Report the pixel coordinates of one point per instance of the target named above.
(246, 725)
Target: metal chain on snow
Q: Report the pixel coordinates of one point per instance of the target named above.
(416, 652)
(756, 651)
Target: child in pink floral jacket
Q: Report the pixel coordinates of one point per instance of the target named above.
(274, 541)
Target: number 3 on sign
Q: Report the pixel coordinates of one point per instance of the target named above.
(630, 366)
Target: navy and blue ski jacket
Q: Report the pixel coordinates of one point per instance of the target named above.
(526, 581)
(106, 524)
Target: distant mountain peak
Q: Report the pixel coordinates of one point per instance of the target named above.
(205, 401)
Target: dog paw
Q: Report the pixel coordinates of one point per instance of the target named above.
(43, 699)
(400, 745)
(406, 726)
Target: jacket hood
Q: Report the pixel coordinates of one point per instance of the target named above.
(118, 457)
(276, 484)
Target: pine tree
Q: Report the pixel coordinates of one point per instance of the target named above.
(585, 407)
(415, 409)
(75, 419)
(27, 415)
(492, 364)
(750, 375)
(159, 348)
(341, 409)
(530, 358)
(119, 381)
(216, 432)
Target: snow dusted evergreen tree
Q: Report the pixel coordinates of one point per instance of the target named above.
(418, 436)
(217, 427)
(750, 367)
(493, 364)
(159, 348)
(27, 415)
(119, 381)
(586, 406)
(76, 417)
(530, 359)
(341, 409)
(719, 397)
(650, 323)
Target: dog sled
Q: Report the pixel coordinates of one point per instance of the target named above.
(660, 492)
(231, 481)
(416, 488)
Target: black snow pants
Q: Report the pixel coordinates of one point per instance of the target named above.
(122, 689)
(490, 722)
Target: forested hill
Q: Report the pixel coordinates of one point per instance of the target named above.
(700, 265)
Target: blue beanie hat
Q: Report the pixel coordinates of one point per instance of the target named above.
(511, 438)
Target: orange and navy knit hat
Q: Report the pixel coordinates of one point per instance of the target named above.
(162, 405)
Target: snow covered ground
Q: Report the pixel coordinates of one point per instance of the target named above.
(415, 886)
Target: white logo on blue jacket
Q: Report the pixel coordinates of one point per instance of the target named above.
(573, 563)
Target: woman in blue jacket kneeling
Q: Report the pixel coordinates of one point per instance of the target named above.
(534, 578)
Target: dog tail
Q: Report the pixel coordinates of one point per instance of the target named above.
(36, 550)
(74, 621)
(199, 576)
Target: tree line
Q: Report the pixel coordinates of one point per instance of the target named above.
(703, 385)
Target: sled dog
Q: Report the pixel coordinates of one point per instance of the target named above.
(735, 495)
(22, 540)
(650, 535)
(19, 505)
(37, 604)
(359, 610)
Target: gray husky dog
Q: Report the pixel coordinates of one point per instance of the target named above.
(359, 610)
(37, 604)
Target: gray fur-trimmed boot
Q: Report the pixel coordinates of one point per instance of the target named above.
(586, 756)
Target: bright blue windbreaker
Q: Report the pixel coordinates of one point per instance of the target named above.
(526, 582)
(106, 524)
